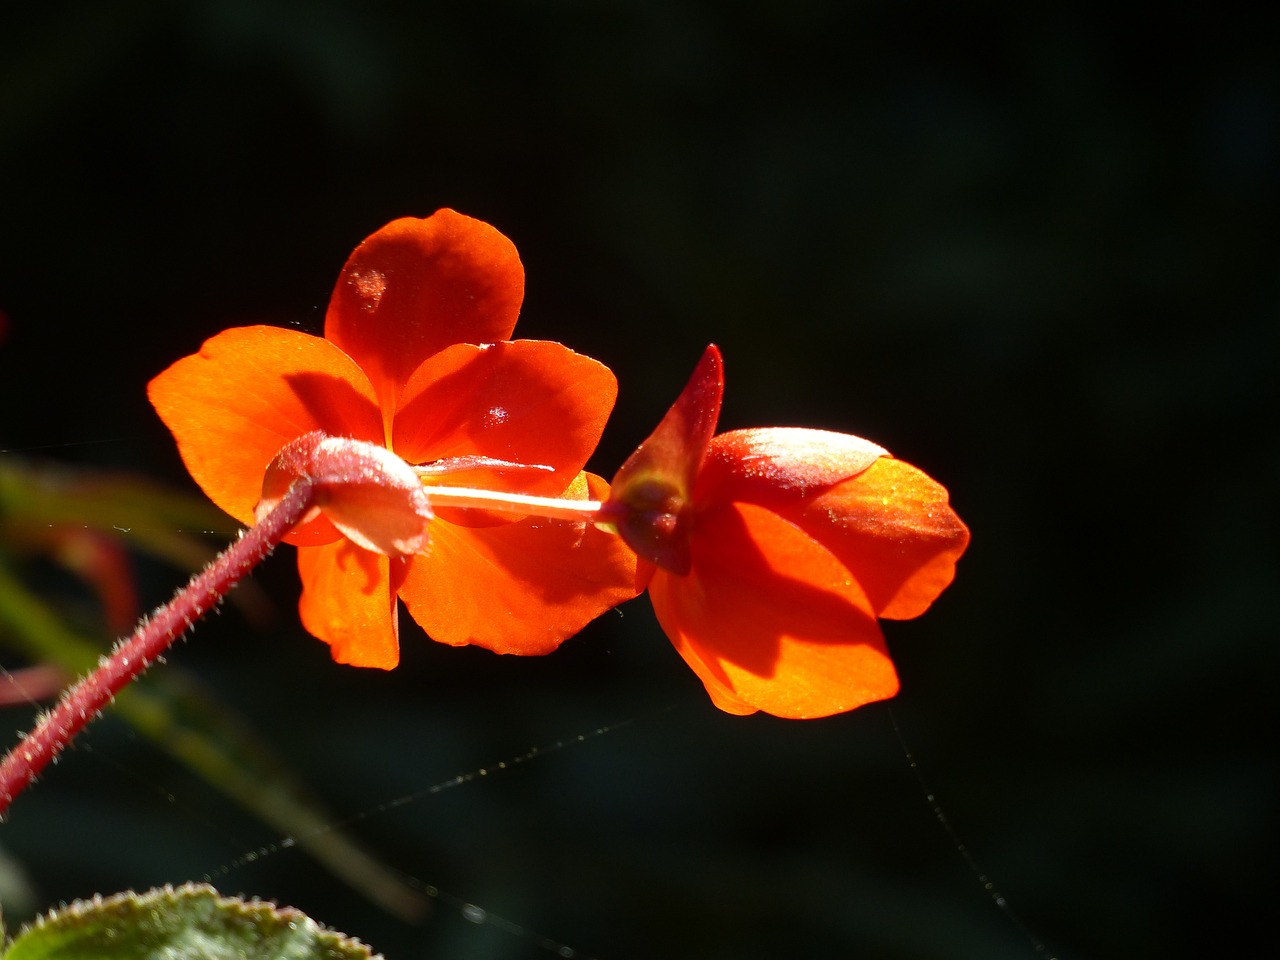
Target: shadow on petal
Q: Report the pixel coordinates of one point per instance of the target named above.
(525, 401)
(894, 529)
(249, 391)
(770, 615)
(336, 407)
(416, 286)
(348, 601)
(520, 588)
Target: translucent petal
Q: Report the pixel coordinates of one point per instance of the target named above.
(886, 520)
(419, 285)
(248, 392)
(773, 466)
(769, 619)
(528, 401)
(893, 528)
(348, 602)
(521, 587)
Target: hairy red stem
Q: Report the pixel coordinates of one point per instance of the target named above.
(153, 636)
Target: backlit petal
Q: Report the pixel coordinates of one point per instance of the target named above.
(776, 466)
(713, 679)
(348, 602)
(893, 528)
(415, 287)
(248, 392)
(526, 401)
(519, 588)
(769, 619)
(883, 518)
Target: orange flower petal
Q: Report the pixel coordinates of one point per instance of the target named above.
(525, 401)
(769, 619)
(519, 588)
(713, 679)
(776, 466)
(887, 521)
(892, 527)
(348, 602)
(248, 392)
(417, 286)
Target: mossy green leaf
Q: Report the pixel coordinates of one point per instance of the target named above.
(191, 922)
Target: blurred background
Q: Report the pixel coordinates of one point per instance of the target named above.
(1029, 248)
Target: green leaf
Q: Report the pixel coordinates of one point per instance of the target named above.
(192, 922)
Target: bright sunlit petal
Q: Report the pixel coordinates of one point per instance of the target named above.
(894, 529)
(249, 392)
(773, 619)
(519, 588)
(526, 401)
(775, 466)
(419, 285)
(348, 602)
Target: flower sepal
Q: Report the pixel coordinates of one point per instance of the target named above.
(367, 493)
(651, 497)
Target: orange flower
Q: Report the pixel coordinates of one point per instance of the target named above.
(775, 550)
(416, 359)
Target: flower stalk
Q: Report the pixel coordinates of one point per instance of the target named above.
(321, 472)
(132, 656)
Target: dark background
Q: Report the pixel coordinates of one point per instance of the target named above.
(1030, 248)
